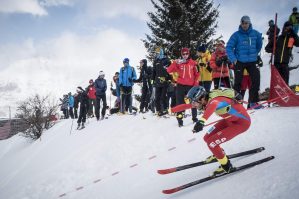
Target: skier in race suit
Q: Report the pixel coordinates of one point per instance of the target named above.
(235, 121)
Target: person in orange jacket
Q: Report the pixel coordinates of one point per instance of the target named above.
(187, 78)
(220, 66)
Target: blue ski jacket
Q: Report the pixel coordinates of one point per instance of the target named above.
(244, 46)
(126, 76)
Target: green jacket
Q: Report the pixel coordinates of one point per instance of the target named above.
(294, 18)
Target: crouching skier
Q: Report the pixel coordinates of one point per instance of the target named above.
(235, 121)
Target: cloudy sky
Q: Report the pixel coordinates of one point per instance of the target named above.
(56, 45)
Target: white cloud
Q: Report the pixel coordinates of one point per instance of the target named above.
(59, 65)
(110, 9)
(23, 6)
(49, 3)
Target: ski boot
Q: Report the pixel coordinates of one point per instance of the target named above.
(82, 127)
(225, 167)
(179, 117)
(78, 127)
(194, 120)
(211, 158)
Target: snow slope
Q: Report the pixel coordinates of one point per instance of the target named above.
(63, 163)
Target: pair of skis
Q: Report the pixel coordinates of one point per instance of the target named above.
(236, 169)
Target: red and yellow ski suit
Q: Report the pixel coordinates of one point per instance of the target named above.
(235, 121)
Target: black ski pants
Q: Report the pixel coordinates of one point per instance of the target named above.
(98, 105)
(160, 98)
(254, 74)
(181, 92)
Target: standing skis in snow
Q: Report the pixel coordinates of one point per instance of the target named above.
(235, 121)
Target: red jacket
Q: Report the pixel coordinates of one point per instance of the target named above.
(91, 92)
(226, 108)
(217, 69)
(187, 72)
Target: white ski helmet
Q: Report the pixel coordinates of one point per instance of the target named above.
(102, 74)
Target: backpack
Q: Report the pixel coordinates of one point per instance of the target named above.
(224, 92)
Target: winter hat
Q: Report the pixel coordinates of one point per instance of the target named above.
(201, 48)
(245, 19)
(287, 24)
(144, 61)
(271, 22)
(79, 89)
(91, 81)
(116, 73)
(102, 74)
(185, 50)
(126, 60)
(295, 9)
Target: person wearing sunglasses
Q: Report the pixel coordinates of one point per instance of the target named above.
(186, 68)
(242, 50)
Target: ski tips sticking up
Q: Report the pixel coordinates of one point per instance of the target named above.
(166, 171)
(202, 180)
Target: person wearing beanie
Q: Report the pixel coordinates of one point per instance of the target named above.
(204, 56)
(145, 79)
(270, 33)
(101, 87)
(243, 49)
(220, 66)
(126, 76)
(161, 80)
(186, 68)
(91, 93)
(294, 20)
(83, 101)
(283, 51)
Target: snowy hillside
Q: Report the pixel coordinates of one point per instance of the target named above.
(118, 158)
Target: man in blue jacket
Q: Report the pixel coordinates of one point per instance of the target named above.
(242, 49)
(126, 76)
(101, 87)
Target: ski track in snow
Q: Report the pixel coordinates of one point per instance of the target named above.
(119, 157)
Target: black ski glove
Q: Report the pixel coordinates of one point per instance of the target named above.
(198, 126)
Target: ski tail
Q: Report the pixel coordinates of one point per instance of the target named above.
(236, 169)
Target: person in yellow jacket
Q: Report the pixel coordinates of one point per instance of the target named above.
(205, 77)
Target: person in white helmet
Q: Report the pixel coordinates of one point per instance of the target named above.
(101, 87)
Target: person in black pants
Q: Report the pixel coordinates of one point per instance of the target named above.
(83, 101)
(101, 87)
(283, 51)
(145, 78)
(161, 79)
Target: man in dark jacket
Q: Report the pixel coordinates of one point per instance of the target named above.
(83, 101)
(101, 87)
(270, 33)
(145, 78)
(161, 79)
(283, 51)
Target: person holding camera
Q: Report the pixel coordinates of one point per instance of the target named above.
(220, 66)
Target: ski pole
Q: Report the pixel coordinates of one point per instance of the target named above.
(220, 76)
